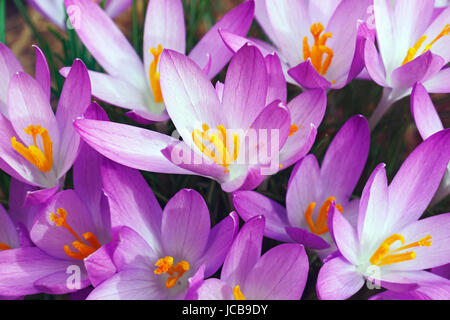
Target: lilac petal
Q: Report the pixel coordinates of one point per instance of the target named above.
(250, 204)
(38, 197)
(29, 105)
(136, 117)
(195, 282)
(42, 71)
(8, 233)
(307, 76)
(51, 238)
(75, 99)
(343, 234)
(254, 179)
(244, 252)
(427, 257)
(115, 7)
(57, 283)
(132, 251)
(304, 187)
(190, 104)
(215, 289)
(307, 238)
(131, 284)
(374, 64)
(443, 271)
(338, 280)
(235, 42)
(238, 21)
(219, 242)
(280, 274)
(340, 173)
(99, 265)
(20, 268)
(185, 225)
(52, 10)
(419, 69)
(123, 144)
(422, 109)
(262, 16)
(245, 88)
(164, 25)
(277, 84)
(438, 83)
(131, 201)
(418, 178)
(106, 43)
(434, 29)
(9, 65)
(20, 213)
(373, 208)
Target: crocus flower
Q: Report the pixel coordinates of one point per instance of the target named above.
(37, 146)
(428, 122)
(55, 11)
(69, 235)
(129, 83)
(234, 111)
(318, 42)
(390, 246)
(279, 274)
(9, 66)
(159, 250)
(311, 190)
(413, 47)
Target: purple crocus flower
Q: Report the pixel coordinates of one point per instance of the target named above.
(55, 11)
(131, 84)
(390, 246)
(279, 274)
(413, 47)
(319, 42)
(234, 111)
(159, 250)
(69, 234)
(311, 190)
(37, 146)
(428, 122)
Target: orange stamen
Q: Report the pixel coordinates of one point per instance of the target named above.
(154, 74)
(42, 160)
(293, 129)
(238, 293)
(320, 226)
(84, 250)
(165, 265)
(383, 256)
(4, 246)
(319, 49)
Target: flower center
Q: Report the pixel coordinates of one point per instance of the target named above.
(154, 74)
(84, 250)
(219, 141)
(165, 265)
(238, 293)
(4, 246)
(43, 160)
(321, 225)
(318, 49)
(413, 50)
(383, 256)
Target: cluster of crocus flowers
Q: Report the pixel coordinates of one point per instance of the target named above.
(234, 133)
(413, 46)
(311, 191)
(131, 84)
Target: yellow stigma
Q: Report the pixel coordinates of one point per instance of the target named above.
(219, 140)
(84, 250)
(238, 293)
(154, 74)
(165, 265)
(383, 256)
(4, 246)
(318, 49)
(413, 50)
(42, 160)
(293, 129)
(321, 225)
